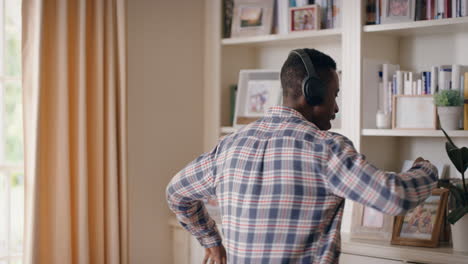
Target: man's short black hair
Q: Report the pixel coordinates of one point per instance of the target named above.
(293, 71)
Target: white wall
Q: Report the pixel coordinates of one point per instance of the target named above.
(165, 114)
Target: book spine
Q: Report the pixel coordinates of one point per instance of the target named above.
(455, 77)
(370, 12)
(329, 13)
(465, 105)
(434, 79)
(337, 16)
(454, 7)
(464, 7)
(418, 10)
(377, 11)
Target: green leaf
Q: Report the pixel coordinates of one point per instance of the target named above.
(459, 195)
(459, 158)
(456, 214)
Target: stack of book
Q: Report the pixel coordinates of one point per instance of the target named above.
(393, 81)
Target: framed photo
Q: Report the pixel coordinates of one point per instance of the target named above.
(414, 112)
(257, 91)
(252, 18)
(395, 11)
(304, 18)
(368, 223)
(422, 226)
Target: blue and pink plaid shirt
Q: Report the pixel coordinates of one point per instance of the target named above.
(281, 184)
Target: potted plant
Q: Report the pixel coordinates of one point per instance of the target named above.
(449, 108)
(458, 216)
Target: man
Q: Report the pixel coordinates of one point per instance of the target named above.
(281, 182)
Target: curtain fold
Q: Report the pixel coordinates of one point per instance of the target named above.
(74, 82)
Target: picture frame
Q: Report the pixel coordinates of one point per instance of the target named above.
(414, 112)
(423, 225)
(252, 18)
(304, 18)
(257, 91)
(368, 223)
(397, 11)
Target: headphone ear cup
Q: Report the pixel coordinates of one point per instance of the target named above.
(314, 91)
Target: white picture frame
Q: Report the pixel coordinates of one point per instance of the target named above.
(252, 18)
(397, 11)
(414, 112)
(257, 91)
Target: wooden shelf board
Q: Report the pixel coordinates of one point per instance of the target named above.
(412, 133)
(273, 39)
(425, 27)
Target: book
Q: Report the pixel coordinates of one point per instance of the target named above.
(337, 13)
(465, 106)
(434, 79)
(370, 12)
(282, 15)
(464, 8)
(445, 77)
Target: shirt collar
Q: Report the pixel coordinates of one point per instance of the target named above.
(283, 111)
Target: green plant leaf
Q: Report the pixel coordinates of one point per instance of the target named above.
(456, 214)
(459, 158)
(458, 194)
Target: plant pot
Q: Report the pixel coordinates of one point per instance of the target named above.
(450, 117)
(460, 234)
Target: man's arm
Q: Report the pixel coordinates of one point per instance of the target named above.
(349, 175)
(184, 195)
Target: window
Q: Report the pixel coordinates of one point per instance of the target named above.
(11, 135)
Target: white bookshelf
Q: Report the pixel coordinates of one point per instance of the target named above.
(449, 25)
(277, 39)
(413, 133)
(414, 45)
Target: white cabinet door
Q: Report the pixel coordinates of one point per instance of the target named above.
(355, 259)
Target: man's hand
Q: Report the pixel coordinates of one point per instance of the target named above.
(420, 160)
(215, 255)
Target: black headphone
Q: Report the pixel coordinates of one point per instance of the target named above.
(312, 87)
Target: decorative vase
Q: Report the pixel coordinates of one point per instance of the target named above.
(460, 234)
(450, 117)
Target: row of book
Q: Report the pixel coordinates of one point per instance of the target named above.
(393, 81)
(390, 11)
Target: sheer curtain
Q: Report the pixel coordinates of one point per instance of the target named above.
(74, 81)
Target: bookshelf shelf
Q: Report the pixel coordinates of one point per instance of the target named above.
(412, 133)
(227, 130)
(274, 39)
(426, 27)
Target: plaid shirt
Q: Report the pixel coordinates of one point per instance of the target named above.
(281, 184)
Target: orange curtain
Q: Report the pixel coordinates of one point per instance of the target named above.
(74, 81)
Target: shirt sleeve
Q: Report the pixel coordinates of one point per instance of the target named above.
(185, 194)
(350, 176)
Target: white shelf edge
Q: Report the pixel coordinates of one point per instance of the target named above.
(227, 130)
(273, 38)
(416, 24)
(412, 133)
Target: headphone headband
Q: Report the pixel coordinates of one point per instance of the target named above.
(309, 66)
